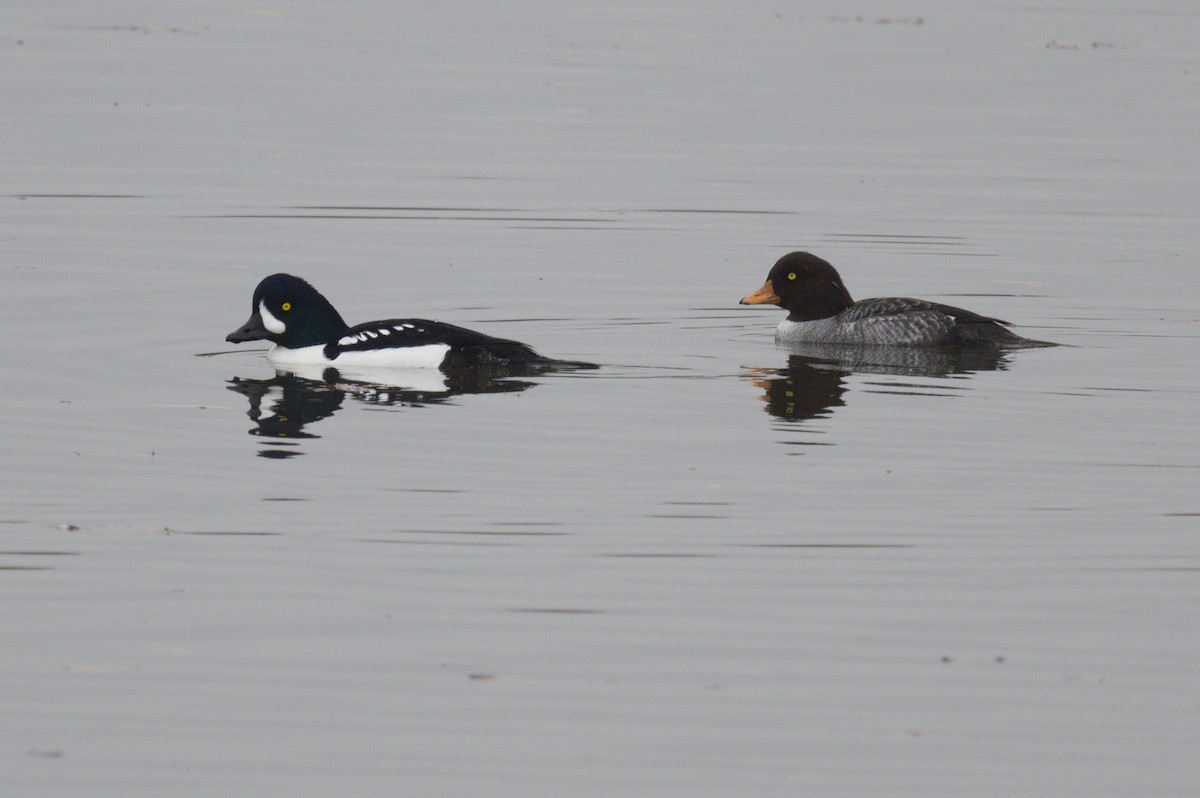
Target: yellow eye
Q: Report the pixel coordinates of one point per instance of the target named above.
(791, 276)
(286, 306)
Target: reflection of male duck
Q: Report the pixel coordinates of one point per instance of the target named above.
(813, 382)
(281, 407)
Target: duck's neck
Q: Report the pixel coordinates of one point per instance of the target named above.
(823, 297)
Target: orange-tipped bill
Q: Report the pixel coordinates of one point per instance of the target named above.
(763, 296)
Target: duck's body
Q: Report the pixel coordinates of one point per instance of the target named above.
(820, 311)
(308, 331)
(898, 321)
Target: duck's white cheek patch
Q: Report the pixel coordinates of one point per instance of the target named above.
(270, 322)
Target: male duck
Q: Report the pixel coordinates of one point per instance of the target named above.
(308, 331)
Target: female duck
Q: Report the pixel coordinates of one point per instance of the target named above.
(820, 310)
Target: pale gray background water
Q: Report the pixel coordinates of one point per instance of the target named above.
(635, 581)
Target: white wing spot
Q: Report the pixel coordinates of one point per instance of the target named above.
(347, 340)
(372, 333)
(385, 331)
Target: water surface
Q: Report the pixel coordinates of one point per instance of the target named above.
(712, 567)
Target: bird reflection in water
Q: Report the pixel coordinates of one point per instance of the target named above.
(814, 381)
(283, 406)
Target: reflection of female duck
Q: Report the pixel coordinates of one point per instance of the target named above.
(821, 311)
(814, 381)
(802, 391)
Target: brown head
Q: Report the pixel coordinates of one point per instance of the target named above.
(804, 285)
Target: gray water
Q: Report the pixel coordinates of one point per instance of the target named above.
(712, 567)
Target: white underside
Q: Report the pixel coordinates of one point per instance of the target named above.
(417, 379)
(429, 356)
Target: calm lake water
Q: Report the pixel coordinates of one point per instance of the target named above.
(712, 567)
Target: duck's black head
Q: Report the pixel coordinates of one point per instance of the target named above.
(288, 311)
(804, 285)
